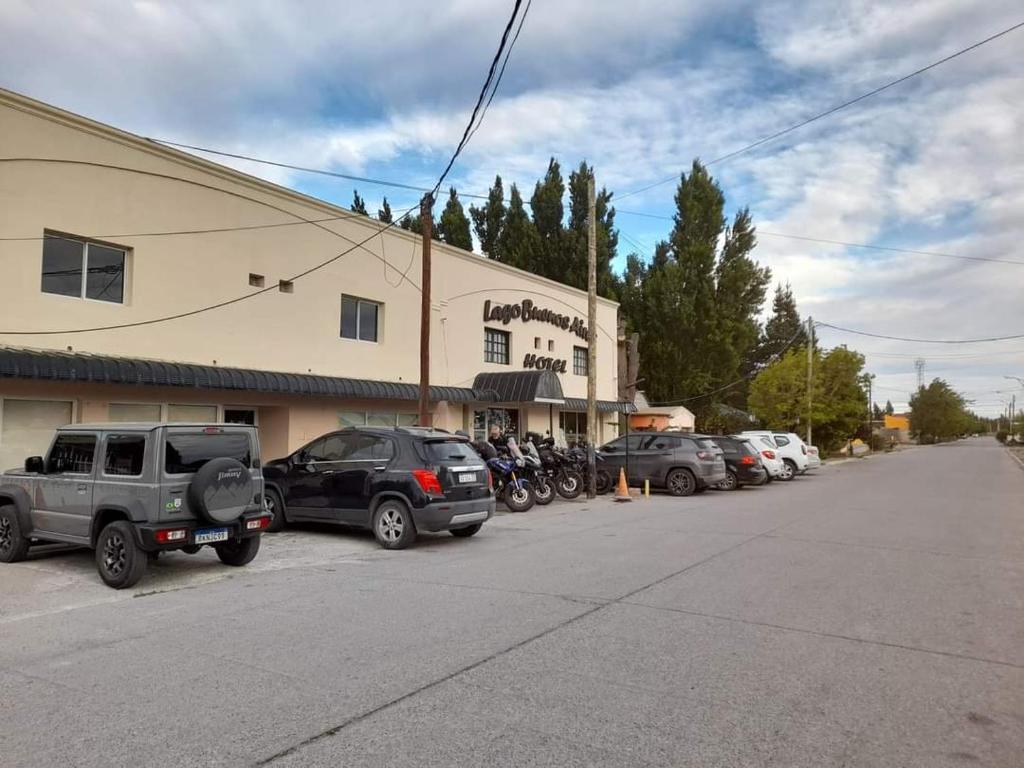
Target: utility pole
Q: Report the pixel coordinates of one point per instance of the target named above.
(427, 221)
(591, 337)
(810, 374)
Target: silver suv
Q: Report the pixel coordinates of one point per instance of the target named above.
(131, 491)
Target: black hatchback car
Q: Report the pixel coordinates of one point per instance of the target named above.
(395, 481)
(742, 463)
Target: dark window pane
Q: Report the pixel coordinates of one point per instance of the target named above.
(105, 281)
(188, 452)
(348, 318)
(449, 450)
(124, 455)
(72, 453)
(579, 361)
(62, 266)
(316, 451)
(367, 321)
(496, 346)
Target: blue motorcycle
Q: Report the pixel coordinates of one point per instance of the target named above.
(516, 492)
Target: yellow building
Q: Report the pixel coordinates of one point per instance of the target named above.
(85, 216)
(897, 421)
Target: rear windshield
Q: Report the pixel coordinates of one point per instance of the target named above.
(187, 452)
(449, 450)
(705, 443)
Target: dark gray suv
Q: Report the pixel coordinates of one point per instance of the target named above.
(131, 491)
(681, 463)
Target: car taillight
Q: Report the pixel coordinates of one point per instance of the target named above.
(258, 524)
(704, 455)
(490, 480)
(748, 461)
(768, 454)
(168, 535)
(428, 481)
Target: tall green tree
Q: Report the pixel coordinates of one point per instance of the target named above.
(358, 204)
(576, 238)
(937, 413)
(888, 408)
(783, 329)
(384, 213)
(519, 245)
(489, 219)
(453, 226)
(548, 215)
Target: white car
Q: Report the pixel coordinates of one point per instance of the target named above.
(789, 448)
(765, 445)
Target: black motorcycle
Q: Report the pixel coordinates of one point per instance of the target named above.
(535, 472)
(561, 469)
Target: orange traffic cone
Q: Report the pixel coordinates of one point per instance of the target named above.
(622, 489)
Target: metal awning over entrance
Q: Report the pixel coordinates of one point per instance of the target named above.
(520, 387)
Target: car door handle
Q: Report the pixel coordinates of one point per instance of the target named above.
(379, 469)
(83, 488)
(328, 472)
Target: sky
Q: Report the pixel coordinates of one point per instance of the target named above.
(639, 90)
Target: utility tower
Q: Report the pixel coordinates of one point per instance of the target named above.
(919, 364)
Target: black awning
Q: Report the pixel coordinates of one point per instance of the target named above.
(603, 406)
(520, 387)
(97, 369)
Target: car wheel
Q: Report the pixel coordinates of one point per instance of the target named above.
(393, 525)
(681, 482)
(602, 482)
(788, 470)
(519, 499)
(238, 553)
(730, 483)
(469, 530)
(272, 501)
(13, 545)
(119, 560)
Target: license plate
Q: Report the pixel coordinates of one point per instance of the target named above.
(466, 477)
(210, 535)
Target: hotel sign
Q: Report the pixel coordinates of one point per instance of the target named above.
(527, 311)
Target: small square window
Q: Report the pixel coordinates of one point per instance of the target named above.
(551, 345)
(496, 346)
(536, 342)
(360, 319)
(285, 286)
(256, 281)
(82, 269)
(580, 361)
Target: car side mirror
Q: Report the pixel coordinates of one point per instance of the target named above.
(300, 457)
(35, 465)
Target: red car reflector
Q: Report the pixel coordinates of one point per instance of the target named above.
(258, 524)
(172, 534)
(748, 460)
(428, 481)
(768, 454)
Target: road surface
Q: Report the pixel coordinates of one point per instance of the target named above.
(870, 615)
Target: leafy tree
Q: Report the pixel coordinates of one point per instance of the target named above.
(519, 244)
(576, 238)
(876, 412)
(384, 214)
(489, 219)
(937, 413)
(783, 328)
(778, 395)
(548, 214)
(358, 204)
(453, 227)
(889, 410)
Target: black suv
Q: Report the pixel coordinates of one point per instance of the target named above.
(742, 463)
(394, 480)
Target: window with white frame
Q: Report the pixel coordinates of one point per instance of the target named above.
(360, 319)
(496, 346)
(580, 361)
(376, 419)
(83, 269)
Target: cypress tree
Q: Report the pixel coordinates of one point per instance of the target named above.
(384, 214)
(453, 226)
(358, 204)
(489, 219)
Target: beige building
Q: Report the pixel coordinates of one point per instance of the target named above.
(107, 231)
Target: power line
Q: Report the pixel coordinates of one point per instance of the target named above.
(919, 341)
(480, 99)
(836, 108)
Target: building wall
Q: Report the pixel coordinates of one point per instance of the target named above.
(897, 421)
(293, 332)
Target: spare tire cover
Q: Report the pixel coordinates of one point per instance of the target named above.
(221, 490)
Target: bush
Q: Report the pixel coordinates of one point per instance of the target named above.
(1001, 436)
(878, 443)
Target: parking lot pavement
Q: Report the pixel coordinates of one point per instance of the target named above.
(868, 615)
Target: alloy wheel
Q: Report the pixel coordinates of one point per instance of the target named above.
(391, 525)
(268, 503)
(787, 471)
(114, 554)
(681, 483)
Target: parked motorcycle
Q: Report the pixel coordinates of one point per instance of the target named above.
(506, 472)
(536, 473)
(561, 469)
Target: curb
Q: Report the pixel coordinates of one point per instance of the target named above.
(1016, 458)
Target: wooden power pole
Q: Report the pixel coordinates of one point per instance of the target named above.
(810, 375)
(427, 221)
(591, 337)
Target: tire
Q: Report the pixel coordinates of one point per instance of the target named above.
(13, 544)
(681, 482)
(221, 490)
(273, 503)
(469, 530)
(603, 482)
(569, 484)
(788, 470)
(393, 525)
(519, 500)
(543, 490)
(239, 553)
(119, 560)
(730, 483)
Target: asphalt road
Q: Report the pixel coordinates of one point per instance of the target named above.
(870, 615)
